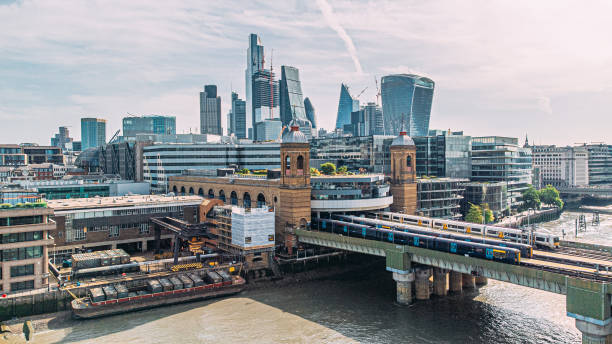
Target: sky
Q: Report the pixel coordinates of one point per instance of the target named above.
(508, 68)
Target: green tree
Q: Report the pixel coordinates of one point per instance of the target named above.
(244, 171)
(314, 172)
(550, 195)
(328, 168)
(489, 218)
(531, 198)
(342, 170)
(474, 215)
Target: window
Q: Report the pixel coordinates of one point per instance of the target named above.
(22, 270)
(247, 240)
(113, 231)
(22, 285)
(21, 253)
(144, 228)
(79, 234)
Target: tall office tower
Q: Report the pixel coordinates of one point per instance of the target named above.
(134, 125)
(255, 63)
(239, 117)
(346, 105)
(310, 112)
(265, 95)
(406, 100)
(62, 138)
(292, 102)
(210, 111)
(374, 118)
(93, 132)
(230, 128)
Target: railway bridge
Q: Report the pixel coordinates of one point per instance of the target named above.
(587, 287)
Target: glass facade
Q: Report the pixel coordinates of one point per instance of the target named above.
(255, 63)
(291, 99)
(210, 111)
(238, 117)
(600, 164)
(348, 188)
(440, 197)
(371, 153)
(493, 194)
(310, 112)
(93, 132)
(148, 125)
(406, 100)
(444, 156)
(346, 105)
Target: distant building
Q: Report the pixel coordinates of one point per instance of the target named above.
(134, 125)
(310, 113)
(600, 163)
(62, 139)
(440, 197)
(374, 118)
(210, 111)
(562, 166)
(66, 189)
(93, 133)
(265, 98)
(291, 100)
(346, 105)
(370, 153)
(359, 125)
(501, 159)
(238, 117)
(407, 100)
(444, 154)
(12, 155)
(268, 130)
(255, 63)
(44, 154)
(495, 195)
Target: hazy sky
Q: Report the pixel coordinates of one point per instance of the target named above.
(500, 67)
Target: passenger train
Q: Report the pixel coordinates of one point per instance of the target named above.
(471, 249)
(526, 250)
(540, 238)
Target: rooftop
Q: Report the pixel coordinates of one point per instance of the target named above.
(120, 201)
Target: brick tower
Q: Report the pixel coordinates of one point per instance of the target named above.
(403, 174)
(294, 209)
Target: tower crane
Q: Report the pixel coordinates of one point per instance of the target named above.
(360, 93)
(377, 91)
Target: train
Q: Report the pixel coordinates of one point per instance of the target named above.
(465, 248)
(526, 250)
(540, 238)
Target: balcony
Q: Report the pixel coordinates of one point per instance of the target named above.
(351, 204)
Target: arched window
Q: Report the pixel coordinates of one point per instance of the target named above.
(222, 195)
(191, 191)
(234, 198)
(174, 190)
(409, 161)
(182, 191)
(246, 200)
(288, 165)
(300, 165)
(261, 200)
(201, 192)
(211, 193)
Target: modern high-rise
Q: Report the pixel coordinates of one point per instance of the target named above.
(93, 132)
(346, 105)
(292, 102)
(62, 139)
(210, 111)
(265, 98)
(134, 125)
(600, 163)
(444, 154)
(255, 63)
(238, 117)
(406, 100)
(310, 112)
(374, 118)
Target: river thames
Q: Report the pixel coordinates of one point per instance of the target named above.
(349, 308)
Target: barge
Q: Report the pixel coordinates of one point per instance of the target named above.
(116, 299)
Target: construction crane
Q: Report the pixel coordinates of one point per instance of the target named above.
(114, 136)
(377, 91)
(360, 93)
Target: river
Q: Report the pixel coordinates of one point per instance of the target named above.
(346, 309)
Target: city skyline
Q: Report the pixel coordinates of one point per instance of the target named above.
(99, 63)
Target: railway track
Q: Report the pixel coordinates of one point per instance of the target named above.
(579, 252)
(581, 273)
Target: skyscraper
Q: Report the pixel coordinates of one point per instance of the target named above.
(406, 100)
(310, 112)
(255, 63)
(292, 102)
(134, 125)
(93, 132)
(210, 111)
(62, 139)
(238, 121)
(265, 96)
(374, 118)
(346, 105)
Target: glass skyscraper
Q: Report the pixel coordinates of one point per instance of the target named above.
(93, 132)
(406, 100)
(346, 106)
(148, 125)
(238, 117)
(291, 100)
(255, 63)
(210, 111)
(310, 112)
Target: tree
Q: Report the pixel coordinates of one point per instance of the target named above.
(489, 218)
(531, 198)
(314, 172)
(342, 170)
(328, 168)
(474, 215)
(244, 171)
(550, 195)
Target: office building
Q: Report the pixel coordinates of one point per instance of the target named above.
(349, 193)
(495, 195)
(116, 222)
(134, 125)
(210, 111)
(25, 242)
(346, 105)
(292, 101)
(238, 117)
(561, 167)
(359, 125)
(93, 132)
(440, 197)
(255, 63)
(406, 100)
(265, 92)
(12, 155)
(600, 163)
(43, 154)
(374, 118)
(501, 159)
(268, 130)
(444, 154)
(67, 189)
(370, 153)
(62, 139)
(310, 113)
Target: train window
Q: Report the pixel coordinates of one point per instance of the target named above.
(540, 239)
(499, 254)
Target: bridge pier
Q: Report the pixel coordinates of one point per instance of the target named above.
(481, 281)
(593, 333)
(422, 290)
(440, 282)
(469, 281)
(404, 281)
(455, 282)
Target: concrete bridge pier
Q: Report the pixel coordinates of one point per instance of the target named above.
(422, 290)
(455, 282)
(469, 281)
(593, 333)
(440, 282)
(404, 281)
(481, 281)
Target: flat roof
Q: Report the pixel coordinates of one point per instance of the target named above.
(348, 177)
(120, 201)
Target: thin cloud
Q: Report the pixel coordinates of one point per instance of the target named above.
(333, 23)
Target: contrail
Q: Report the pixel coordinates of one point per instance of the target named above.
(332, 21)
